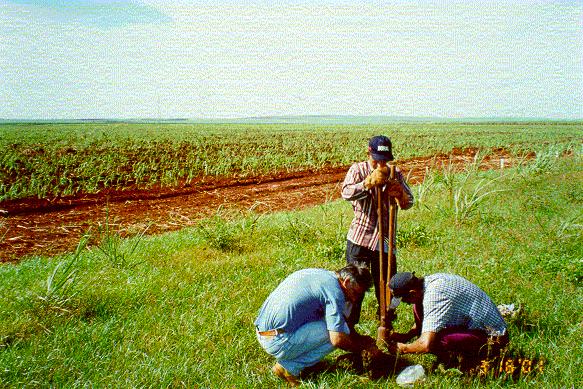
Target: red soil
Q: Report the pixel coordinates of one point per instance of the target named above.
(54, 226)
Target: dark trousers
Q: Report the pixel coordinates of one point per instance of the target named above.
(360, 254)
(475, 344)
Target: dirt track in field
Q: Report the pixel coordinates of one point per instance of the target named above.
(49, 227)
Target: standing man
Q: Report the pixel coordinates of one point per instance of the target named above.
(452, 317)
(359, 188)
(303, 319)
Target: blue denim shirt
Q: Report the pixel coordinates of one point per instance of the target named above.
(305, 296)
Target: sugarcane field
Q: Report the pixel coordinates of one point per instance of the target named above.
(154, 273)
(319, 194)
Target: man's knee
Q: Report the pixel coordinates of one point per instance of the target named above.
(461, 341)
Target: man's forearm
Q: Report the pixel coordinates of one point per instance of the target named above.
(353, 343)
(406, 199)
(420, 346)
(355, 191)
(411, 348)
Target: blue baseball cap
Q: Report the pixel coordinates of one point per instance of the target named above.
(380, 148)
(402, 283)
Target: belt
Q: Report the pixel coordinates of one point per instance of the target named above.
(271, 332)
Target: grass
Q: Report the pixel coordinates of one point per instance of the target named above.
(48, 160)
(183, 316)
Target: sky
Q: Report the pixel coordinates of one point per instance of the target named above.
(83, 59)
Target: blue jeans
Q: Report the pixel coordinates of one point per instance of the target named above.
(302, 348)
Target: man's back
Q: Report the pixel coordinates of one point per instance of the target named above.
(304, 296)
(450, 300)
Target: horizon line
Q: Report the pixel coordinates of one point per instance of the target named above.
(292, 118)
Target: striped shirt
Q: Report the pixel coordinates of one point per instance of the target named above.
(364, 227)
(452, 301)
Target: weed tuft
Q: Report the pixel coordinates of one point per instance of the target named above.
(466, 203)
(414, 236)
(331, 251)
(228, 235)
(117, 250)
(545, 159)
(425, 188)
(569, 229)
(61, 283)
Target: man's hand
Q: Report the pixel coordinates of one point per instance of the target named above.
(378, 177)
(391, 347)
(354, 342)
(422, 345)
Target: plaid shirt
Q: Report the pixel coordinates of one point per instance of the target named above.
(453, 301)
(364, 227)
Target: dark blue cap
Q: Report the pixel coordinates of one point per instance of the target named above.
(380, 148)
(402, 283)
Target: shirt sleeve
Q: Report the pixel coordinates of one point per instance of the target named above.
(353, 185)
(407, 200)
(335, 305)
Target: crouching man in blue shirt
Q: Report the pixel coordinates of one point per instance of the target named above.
(304, 318)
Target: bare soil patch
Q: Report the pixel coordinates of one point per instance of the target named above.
(54, 226)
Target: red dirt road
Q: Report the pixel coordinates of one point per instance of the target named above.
(50, 227)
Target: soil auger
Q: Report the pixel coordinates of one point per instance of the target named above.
(387, 266)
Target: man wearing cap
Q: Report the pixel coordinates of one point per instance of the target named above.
(452, 317)
(303, 319)
(359, 188)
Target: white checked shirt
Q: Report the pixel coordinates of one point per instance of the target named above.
(450, 300)
(364, 227)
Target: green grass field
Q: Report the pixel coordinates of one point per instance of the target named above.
(48, 160)
(177, 310)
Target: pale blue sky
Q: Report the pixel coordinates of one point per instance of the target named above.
(206, 59)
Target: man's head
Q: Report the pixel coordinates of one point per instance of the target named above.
(406, 287)
(380, 150)
(355, 280)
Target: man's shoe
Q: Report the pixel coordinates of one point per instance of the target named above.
(285, 375)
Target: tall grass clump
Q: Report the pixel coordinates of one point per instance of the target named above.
(118, 251)
(466, 202)
(61, 283)
(227, 230)
(184, 317)
(465, 192)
